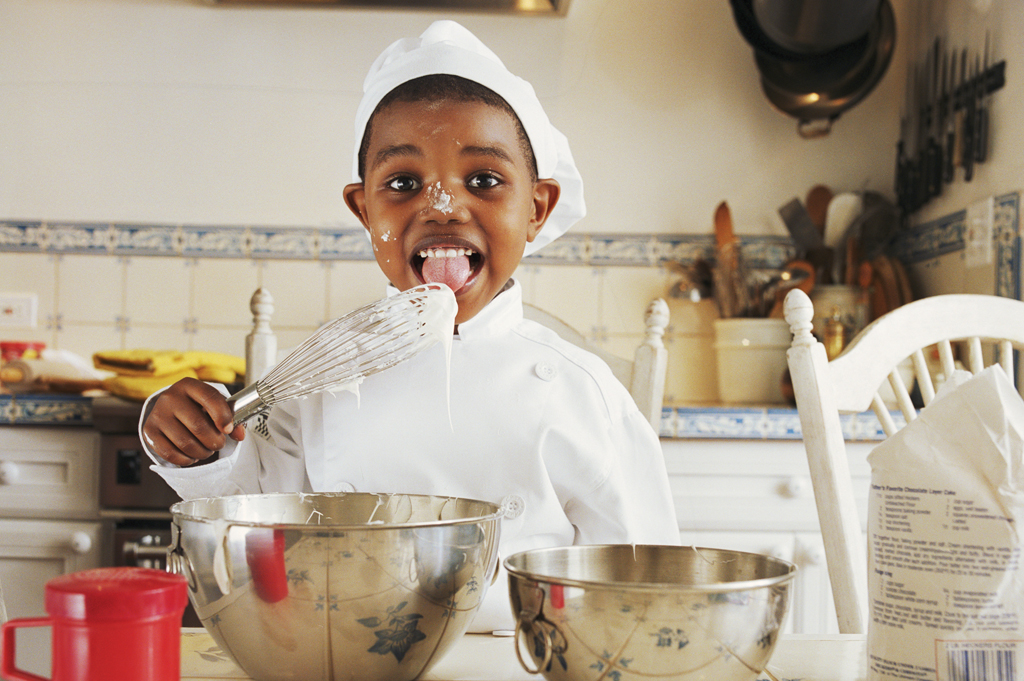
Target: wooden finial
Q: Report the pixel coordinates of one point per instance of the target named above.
(656, 319)
(799, 311)
(261, 343)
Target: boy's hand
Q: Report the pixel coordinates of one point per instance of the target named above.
(188, 423)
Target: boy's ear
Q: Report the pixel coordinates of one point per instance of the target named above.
(355, 199)
(545, 198)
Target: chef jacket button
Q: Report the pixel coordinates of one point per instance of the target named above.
(545, 371)
(513, 506)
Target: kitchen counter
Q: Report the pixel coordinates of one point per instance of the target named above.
(481, 657)
(700, 422)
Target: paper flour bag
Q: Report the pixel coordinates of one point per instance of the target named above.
(945, 582)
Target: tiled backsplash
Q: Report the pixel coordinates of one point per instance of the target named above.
(112, 286)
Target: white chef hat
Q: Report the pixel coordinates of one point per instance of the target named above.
(447, 47)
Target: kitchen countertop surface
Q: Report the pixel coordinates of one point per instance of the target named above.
(482, 657)
(694, 422)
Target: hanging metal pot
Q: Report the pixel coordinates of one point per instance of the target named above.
(817, 87)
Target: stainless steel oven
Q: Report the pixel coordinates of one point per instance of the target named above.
(134, 501)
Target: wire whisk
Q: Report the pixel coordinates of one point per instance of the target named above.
(363, 342)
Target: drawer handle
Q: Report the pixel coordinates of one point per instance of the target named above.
(796, 487)
(9, 473)
(81, 542)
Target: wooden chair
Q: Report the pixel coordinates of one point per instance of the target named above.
(985, 328)
(643, 376)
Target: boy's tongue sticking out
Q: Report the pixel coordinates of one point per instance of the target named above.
(447, 266)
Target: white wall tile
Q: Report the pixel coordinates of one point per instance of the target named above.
(570, 293)
(222, 289)
(229, 340)
(621, 345)
(90, 288)
(158, 337)
(158, 290)
(693, 374)
(288, 339)
(31, 273)
(352, 284)
(626, 294)
(86, 339)
(299, 289)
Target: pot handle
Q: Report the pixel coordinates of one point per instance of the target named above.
(532, 621)
(814, 128)
(9, 667)
(522, 631)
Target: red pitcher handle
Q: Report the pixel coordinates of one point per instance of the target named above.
(8, 668)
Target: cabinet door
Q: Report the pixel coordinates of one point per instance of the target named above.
(32, 552)
(49, 472)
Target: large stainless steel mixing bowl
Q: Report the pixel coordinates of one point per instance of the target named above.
(335, 586)
(664, 612)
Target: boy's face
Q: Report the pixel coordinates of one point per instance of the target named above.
(449, 178)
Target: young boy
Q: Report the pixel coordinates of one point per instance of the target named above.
(458, 173)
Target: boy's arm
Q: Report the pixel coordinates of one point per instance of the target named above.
(631, 502)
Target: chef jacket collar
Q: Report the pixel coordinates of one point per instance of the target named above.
(501, 314)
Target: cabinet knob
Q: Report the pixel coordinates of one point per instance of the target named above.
(796, 487)
(809, 553)
(9, 473)
(81, 542)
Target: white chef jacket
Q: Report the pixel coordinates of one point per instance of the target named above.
(534, 422)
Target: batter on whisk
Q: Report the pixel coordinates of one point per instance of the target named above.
(457, 174)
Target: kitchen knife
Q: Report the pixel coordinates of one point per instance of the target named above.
(934, 127)
(949, 164)
(970, 102)
(981, 126)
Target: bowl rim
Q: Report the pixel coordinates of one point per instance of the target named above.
(723, 587)
(177, 512)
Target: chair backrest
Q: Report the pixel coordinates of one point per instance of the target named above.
(985, 328)
(643, 376)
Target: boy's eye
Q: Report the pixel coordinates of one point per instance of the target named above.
(483, 181)
(403, 183)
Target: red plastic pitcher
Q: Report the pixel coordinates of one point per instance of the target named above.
(119, 623)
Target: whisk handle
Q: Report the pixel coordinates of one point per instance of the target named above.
(246, 403)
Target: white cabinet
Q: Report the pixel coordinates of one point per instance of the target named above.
(49, 521)
(755, 495)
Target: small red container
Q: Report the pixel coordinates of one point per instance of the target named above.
(119, 623)
(20, 349)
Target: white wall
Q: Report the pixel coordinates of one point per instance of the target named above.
(177, 111)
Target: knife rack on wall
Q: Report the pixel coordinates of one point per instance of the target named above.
(944, 125)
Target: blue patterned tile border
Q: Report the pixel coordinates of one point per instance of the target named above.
(332, 244)
(46, 410)
(91, 239)
(946, 235)
(297, 244)
(345, 244)
(938, 237)
(758, 423)
(214, 242)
